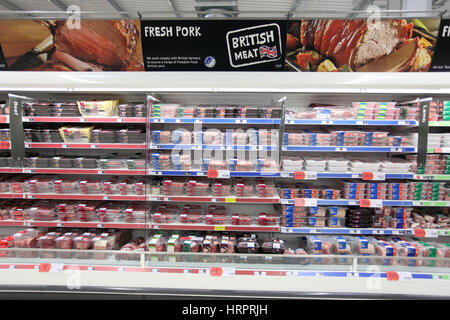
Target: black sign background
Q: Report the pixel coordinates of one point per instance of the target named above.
(441, 61)
(210, 49)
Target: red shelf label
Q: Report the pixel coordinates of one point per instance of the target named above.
(420, 233)
(213, 173)
(392, 276)
(5, 145)
(364, 203)
(3, 119)
(299, 175)
(44, 267)
(216, 271)
(367, 175)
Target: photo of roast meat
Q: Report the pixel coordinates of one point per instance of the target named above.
(104, 44)
(358, 45)
(96, 45)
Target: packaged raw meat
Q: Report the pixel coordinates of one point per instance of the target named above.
(241, 219)
(334, 222)
(107, 108)
(90, 186)
(317, 211)
(273, 246)
(42, 212)
(267, 219)
(361, 245)
(319, 245)
(383, 248)
(248, 245)
(110, 213)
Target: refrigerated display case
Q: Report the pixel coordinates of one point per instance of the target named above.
(187, 230)
(225, 184)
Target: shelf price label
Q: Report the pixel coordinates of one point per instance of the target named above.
(305, 175)
(223, 174)
(341, 149)
(216, 271)
(364, 203)
(374, 176)
(362, 122)
(305, 202)
(392, 276)
(420, 233)
(5, 145)
(376, 203)
(230, 199)
(431, 233)
(425, 177)
(219, 228)
(405, 276)
(286, 174)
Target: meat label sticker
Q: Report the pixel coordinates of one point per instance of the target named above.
(254, 45)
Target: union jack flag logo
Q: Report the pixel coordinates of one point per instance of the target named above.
(265, 51)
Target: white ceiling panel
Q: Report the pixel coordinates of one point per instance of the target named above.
(246, 7)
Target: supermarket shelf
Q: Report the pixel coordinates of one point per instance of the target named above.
(297, 175)
(439, 124)
(199, 173)
(47, 145)
(217, 120)
(78, 171)
(349, 149)
(353, 122)
(364, 203)
(210, 147)
(53, 196)
(219, 82)
(376, 176)
(305, 202)
(214, 199)
(85, 120)
(73, 224)
(420, 233)
(206, 227)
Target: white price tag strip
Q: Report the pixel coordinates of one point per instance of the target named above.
(56, 267)
(376, 203)
(352, 275)
(310, 175)
(405, 276)
(431, 233)
(223, 174)
(310, 202)
(228, 272)
(260, 273)
(379, 176)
